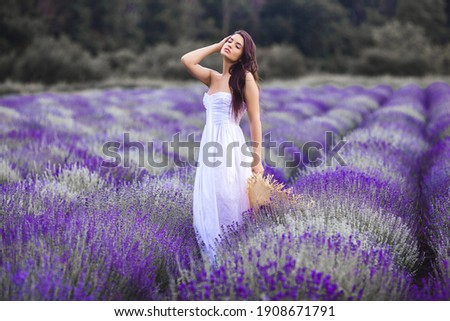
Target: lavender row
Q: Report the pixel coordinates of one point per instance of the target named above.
(289, 262)
(76, 237)
(382, 171)
(351, 109)
(436, 195)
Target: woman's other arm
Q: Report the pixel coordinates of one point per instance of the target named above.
(252, 102)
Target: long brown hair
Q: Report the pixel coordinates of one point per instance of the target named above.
(247, 62)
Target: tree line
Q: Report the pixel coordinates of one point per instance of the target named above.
(40, 39)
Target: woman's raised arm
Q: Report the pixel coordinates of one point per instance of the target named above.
(192, 60)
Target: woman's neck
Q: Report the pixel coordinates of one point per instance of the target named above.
(226, 65)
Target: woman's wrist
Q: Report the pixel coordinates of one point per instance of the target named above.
(256, 159)
(217, 46)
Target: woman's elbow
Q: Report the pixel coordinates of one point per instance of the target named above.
(186, 62)
(254, 121)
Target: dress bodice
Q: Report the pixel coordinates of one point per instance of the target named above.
(218, 108)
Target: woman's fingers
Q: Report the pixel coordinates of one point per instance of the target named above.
(225, 39)
(258, 170)
(222, 42)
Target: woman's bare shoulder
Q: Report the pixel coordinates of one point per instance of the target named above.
(249, 76)
(215, 74)
(218, 81)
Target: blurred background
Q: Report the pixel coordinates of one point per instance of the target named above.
(79, 41)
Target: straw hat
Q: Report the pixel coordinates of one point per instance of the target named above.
(263, 190)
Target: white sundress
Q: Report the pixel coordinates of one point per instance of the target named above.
(220, 196)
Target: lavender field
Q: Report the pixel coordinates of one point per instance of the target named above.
(375, 228)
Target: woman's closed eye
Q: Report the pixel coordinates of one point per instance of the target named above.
(238, 45)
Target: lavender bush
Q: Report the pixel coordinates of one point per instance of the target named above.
(436, 194)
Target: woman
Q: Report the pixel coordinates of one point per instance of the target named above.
(220, 195)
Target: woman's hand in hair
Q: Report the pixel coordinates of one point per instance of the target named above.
(222, 42)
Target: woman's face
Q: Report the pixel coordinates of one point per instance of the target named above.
(233, 48)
